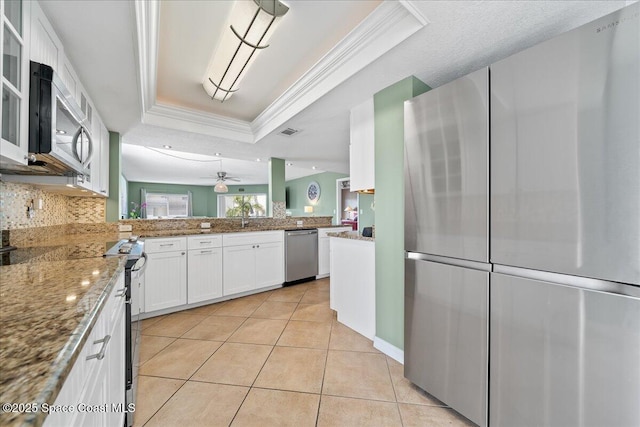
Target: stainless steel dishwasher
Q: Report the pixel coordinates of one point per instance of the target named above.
(301, 255)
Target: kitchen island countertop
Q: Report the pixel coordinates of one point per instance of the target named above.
(353, 235)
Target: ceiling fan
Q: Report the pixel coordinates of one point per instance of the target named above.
(221, 177)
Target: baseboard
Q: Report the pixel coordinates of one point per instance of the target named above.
(389, 349)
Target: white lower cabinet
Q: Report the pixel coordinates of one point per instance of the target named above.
(239, 269)
(353, 284)
(194, 269)
(252, 261)
(166, 273)
(269, 264)
(94, 388)
(165, 280)
(324, 264)
(204, 268)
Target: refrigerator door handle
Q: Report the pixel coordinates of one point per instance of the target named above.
(474, 265)
(572, 281)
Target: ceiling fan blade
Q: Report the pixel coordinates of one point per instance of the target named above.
(231, 178)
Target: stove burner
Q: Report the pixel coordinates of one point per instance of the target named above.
(125, 248)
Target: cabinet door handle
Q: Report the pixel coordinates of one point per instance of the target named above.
(166, 244)
(121, 293)
(183, 253)
(205, 252)
(254, 246)
(257, 246)
(203, 242)
(100, 355)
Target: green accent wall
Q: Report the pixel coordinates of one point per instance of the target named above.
(389, 196)
(113, 201)
(366, 215)
(204, 200)
(276, 182)
(326, 204)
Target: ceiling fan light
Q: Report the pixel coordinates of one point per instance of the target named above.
(247, 31)
(221, 187)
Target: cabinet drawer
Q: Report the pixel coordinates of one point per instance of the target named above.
(203, 242)
(238, 239)
(165, 245)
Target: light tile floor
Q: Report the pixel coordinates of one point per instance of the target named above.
(278, 358)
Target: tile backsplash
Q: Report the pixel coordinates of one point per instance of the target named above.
(56, 209)
(86, 210)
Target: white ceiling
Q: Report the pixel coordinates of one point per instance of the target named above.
(437, 41)
(189, 32)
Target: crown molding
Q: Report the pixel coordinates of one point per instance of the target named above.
(196, 121)
(147, 16)
(387, 26)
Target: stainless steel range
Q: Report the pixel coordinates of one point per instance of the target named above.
(134, 270)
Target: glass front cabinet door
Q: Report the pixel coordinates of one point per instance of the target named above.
(14, 31)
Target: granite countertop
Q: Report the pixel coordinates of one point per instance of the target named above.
(50, 297)
(218, 230)
(353, 235)
(47, 310)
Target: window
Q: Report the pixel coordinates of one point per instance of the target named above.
(164, 205)
(235, 205)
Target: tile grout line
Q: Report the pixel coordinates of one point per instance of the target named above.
(194, 372)
(262, 367)
(324, 372)
(140, 365)
(393, 386)
(165, 402)
(212, 314)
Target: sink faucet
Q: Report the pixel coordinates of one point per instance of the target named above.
(245, 221)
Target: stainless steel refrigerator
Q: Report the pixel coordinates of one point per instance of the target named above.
(565, 229)
(447, 243)
(522, 234)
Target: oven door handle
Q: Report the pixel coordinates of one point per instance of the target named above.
(143, 266)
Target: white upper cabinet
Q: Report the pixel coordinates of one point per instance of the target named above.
(15, 29)
(99, 157)
(31, 37)
(102, 186)
(70, 78)
(361, 150)
(46, 47)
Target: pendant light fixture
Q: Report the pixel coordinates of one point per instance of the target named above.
(249, 27)
(221, 187)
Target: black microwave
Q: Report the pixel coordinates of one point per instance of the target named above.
(59, 141)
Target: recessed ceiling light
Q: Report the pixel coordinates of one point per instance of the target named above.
(289, 164)
(258, 160)
(313, 167)
(168, 147)
(61, 132)
(218, 154)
